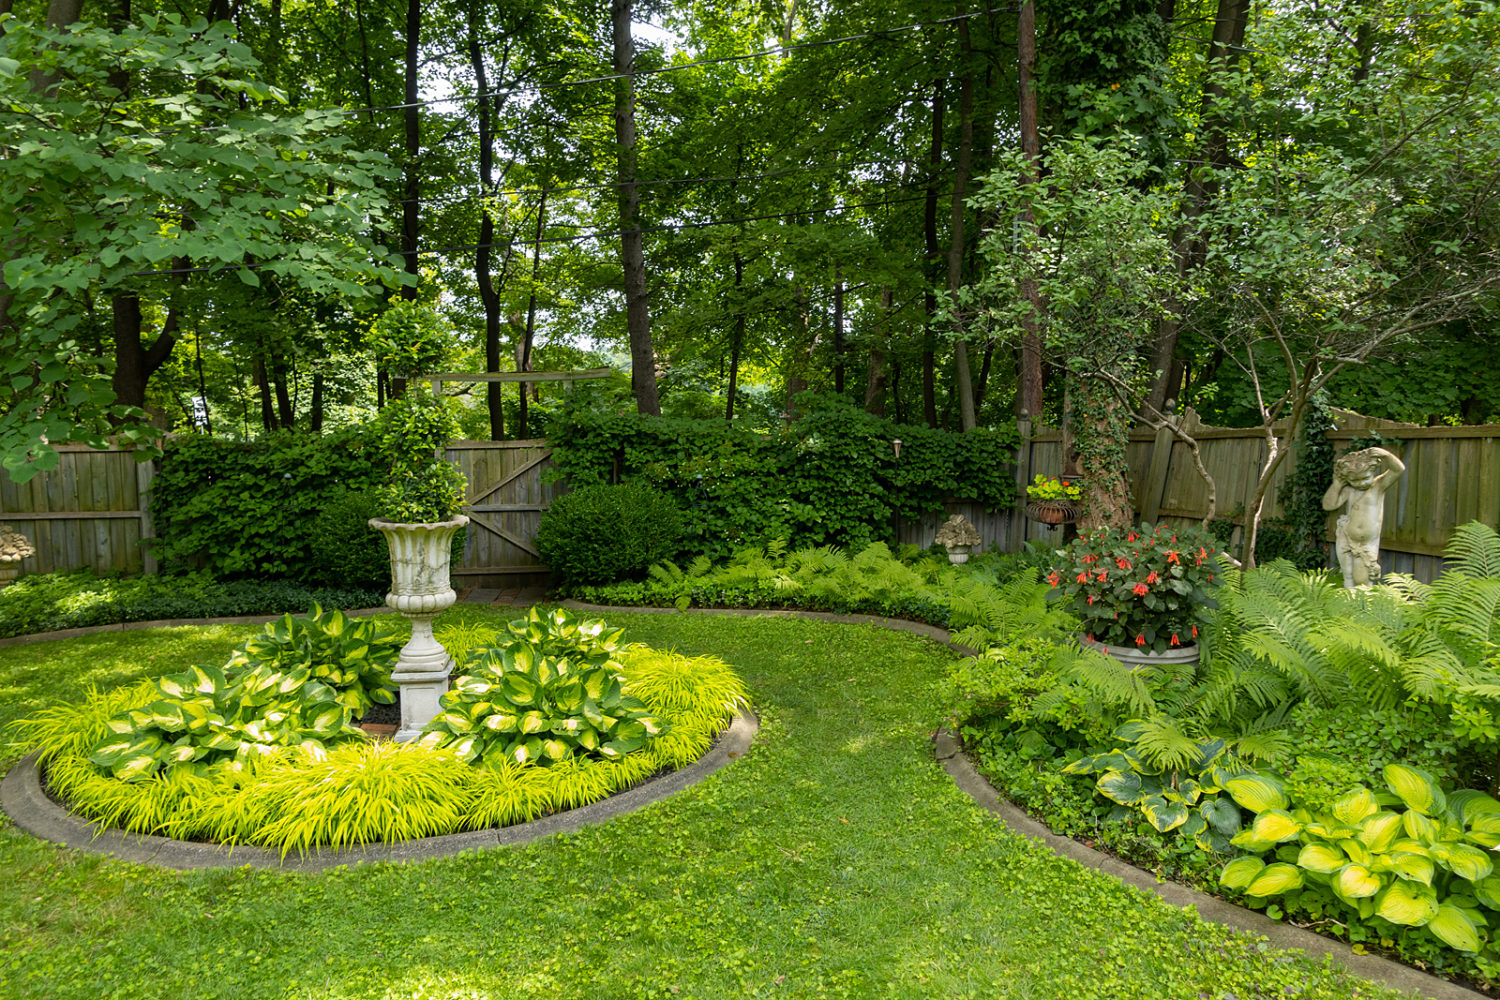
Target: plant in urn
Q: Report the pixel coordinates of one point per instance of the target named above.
(419, 504)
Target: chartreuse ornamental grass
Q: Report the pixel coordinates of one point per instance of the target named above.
(835, 860)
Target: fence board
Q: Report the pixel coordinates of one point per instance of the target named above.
(506, 499)
(83, 514)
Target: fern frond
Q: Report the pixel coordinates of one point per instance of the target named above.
(1474, 549)
(1163, 743)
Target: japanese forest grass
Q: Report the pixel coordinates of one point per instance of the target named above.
(358, 791)
(835, 860)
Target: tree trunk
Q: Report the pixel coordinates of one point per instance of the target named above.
(267, 408)
(135, 365)
(875, 375)
(1200, 189)
(963, 382)
(536, 271)
(632, 254)
(412, 188)
(1029, 378)
(489, 297)
(737, 338)
(283, 399)
(315, 405)
(838, 329)
(934, 255)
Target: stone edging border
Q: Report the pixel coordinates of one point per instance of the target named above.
(30, 808)
(947, 750)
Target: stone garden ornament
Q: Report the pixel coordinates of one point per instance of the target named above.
(958, 536)
(14, 547)
(1360, 479)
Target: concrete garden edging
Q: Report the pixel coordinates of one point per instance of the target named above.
(21, 791)
(30, 808)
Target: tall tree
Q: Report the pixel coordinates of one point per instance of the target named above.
(632, 253)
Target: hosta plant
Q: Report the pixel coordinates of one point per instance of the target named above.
(559, 634)
(1177, 786)
(1410, 857)
(522, 705)
(300, 681)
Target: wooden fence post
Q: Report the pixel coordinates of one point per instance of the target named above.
(1017, 531)
(145, 473)
(1154, 483)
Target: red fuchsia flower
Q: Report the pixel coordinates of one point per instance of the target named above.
(1130, 538)
(1140, 640)
(1172, 557)
(1091, 598)
(1122, 563)
(1152, 577)
(1141, 589)
(1176, 641)
(1195, 631)
(1053, 578)
(1090, 638)
(1102, 576)
(1202, 553)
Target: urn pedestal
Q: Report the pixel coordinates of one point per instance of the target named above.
(421, 555)
(1132, 657)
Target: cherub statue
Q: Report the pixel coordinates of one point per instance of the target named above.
(1360, 480)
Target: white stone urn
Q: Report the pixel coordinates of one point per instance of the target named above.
(421, 555)
(958, 554)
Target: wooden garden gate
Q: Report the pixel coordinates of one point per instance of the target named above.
(507, 497)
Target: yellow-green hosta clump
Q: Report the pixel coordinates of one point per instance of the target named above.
(360, 791)
(1405, 858)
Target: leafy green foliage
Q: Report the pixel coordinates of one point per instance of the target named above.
(419, 486)
(829, 478)
(100, 200)
(410, 339)
(1297, 535)
(422, 494)
(600, 534)
(1412, 858)
(253, 508)
(1146, 587)
(46, 602)
(298, 682)
(1176, 782)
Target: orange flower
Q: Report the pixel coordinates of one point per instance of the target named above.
(1083, 578)
(1141, 589)
(1091, 598)
(1176, 641)
(1103, 575)
(1172, 557)
(1140, 640)
(1053, 578)
(1152, 577)
(1195, 631)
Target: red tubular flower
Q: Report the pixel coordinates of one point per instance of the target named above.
(1140, 589)
(1140, 640)
(1102, 576)
(1091, 598)
(1130, 538)
(1195, 631)
(1152, 577)
(1083, 578)
(1053, 578)
(1176, 641)
(1122, 563)
(1172, 557)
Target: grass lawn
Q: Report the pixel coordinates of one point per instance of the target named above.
(835, 860)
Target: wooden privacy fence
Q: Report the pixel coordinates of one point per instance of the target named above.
(1452, 477)
(507, 495)
(90, 511)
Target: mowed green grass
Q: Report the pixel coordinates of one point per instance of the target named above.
(835, 860)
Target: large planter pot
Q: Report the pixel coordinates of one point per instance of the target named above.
(421, 557)
(958, 554)
(1133, 657)
(1052, 511)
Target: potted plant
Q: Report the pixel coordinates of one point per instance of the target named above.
(419, 504)
(14, 547)
(1141, 592)
(1051, 500)
(958, 536)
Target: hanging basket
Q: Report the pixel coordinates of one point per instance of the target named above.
(1052, 511)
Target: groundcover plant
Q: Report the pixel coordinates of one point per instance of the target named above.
(550, 713)
(835, 860)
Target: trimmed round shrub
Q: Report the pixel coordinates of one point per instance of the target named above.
(345, 547)
(601, 534)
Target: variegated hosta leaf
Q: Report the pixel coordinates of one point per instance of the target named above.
(1240, 872)
(1454, 928)
(1380, 830)
(1408, 903)
(1164, 815)
(1222, 815)
(1357, 851)
(1274, 826)
(1355, 882)
(1487, 891)
(1256, 792)
(1419, 827)
(1322, 858)
(1416, 788)
(1468, 805)
(1354, 806)
(1275, 880)
(1462, 860)
(1123, 787)
(1411, 867)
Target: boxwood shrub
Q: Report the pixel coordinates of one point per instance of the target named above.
(601, 534)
